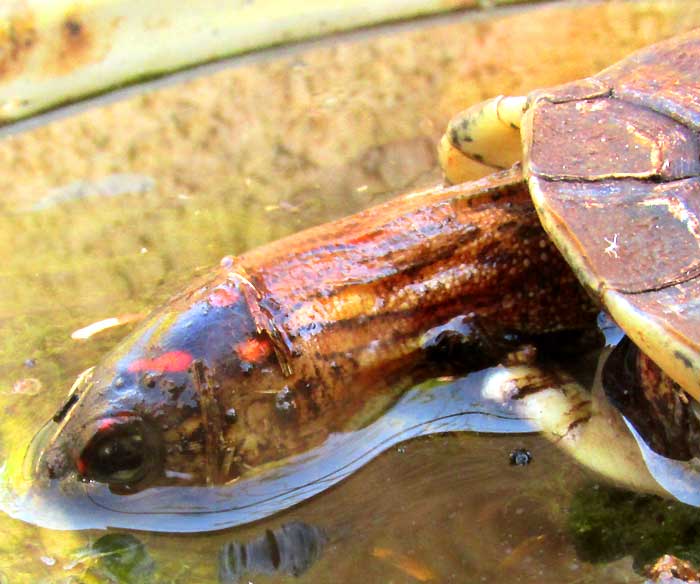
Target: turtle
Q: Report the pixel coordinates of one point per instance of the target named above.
(151, 405)
(612, 163)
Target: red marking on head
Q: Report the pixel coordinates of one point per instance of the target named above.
(254, 350)
(171, 362)
(81, 466)
(106, 424)
(224, 296)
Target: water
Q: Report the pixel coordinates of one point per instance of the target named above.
(430, 408)
(250, 155)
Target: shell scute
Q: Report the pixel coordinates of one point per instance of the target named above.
(602, 138)
(615, 182)
(626, 235)
(664, 78)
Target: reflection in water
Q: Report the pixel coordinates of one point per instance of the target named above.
(472, 403)
(663, 423)
(119, 557)
(679, 477)
(288, 550)
(501, 400)
(487, 402)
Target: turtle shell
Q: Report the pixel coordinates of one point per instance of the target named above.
(613, 165)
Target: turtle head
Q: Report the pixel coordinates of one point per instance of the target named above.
(161, 409)
(115, 426)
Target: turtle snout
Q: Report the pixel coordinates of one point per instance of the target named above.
(35, 457)
(46, 459)
(54, 464)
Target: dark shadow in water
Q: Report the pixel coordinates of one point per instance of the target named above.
(288, 550)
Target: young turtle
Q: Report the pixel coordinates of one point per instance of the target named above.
(254, 389)
(612, 163)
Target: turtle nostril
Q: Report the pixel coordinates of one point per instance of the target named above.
(55, 465)
(41, 459)
(51, 472)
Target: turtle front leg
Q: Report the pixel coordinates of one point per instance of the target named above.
(488, 132)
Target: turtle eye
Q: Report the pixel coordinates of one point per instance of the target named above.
(116, 454)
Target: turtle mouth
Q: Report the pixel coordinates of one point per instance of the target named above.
(46, 457)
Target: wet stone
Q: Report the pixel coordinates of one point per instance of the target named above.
(27, 386)
(520, 457)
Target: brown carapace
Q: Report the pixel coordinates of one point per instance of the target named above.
(613, 166)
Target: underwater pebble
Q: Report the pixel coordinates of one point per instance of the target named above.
(520, 457)
(27, 386)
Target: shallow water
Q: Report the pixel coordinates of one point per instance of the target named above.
(221, 164)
